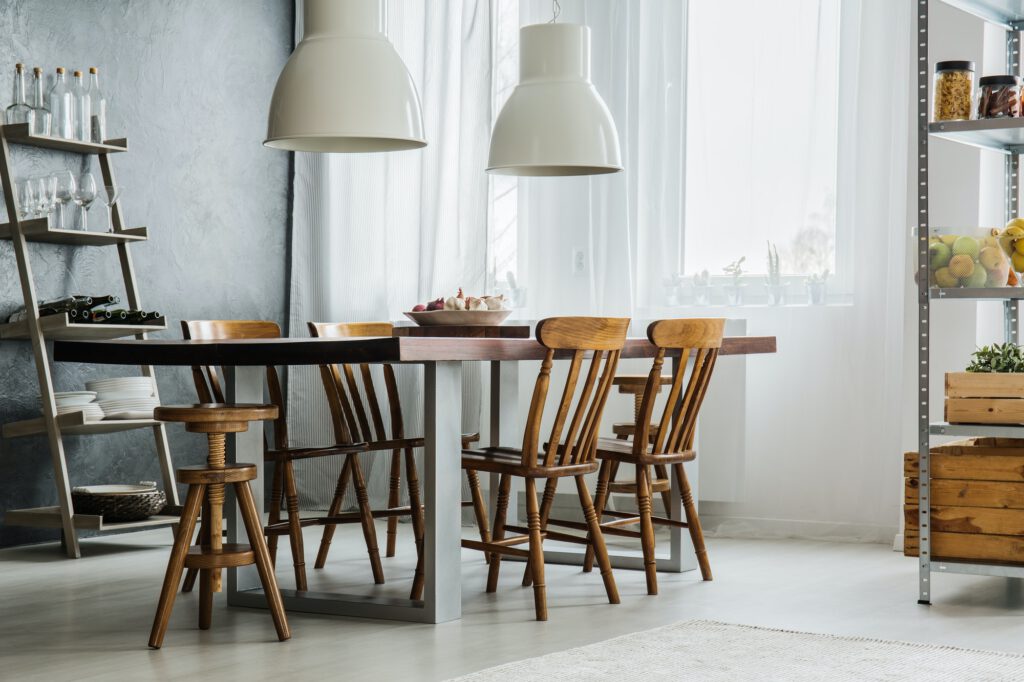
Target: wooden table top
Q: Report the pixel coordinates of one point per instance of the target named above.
(309, 351)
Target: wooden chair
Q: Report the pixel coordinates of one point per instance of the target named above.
(209, 388)
(206, 488)
(358, 412)
(634, 385)
(569, 451)
(669, 444)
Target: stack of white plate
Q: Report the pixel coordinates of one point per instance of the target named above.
(125, 397)
(79, 401)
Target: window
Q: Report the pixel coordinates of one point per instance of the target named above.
(762, 135)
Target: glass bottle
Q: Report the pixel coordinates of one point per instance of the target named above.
(98, 107)
(62, 107)
(83, 114)
(19, 110)
(39, 118)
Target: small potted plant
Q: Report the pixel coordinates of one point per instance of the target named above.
(816, 291)
(776, 289)
(734, 290)
(702, 288)
(672, 285)
(991, 391)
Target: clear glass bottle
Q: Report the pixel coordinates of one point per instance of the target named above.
(62, 107)
(98, 107)
(19, 110)
(39, 118)
(83, 114)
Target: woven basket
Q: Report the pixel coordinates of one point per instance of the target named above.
(120, 507)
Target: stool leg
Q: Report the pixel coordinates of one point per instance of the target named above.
(393, 499)
(176, 564)
(205, 598)
(254, 529)
(295, 526)
(193, 573)
(479, 509)
(336, 505)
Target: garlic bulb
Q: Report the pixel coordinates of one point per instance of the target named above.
(475, 304)
(495, 302)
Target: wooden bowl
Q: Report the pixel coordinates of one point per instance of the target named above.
(474, 318)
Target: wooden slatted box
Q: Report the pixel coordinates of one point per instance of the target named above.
(984, 398)
(977, 501)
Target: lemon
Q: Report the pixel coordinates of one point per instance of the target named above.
(1016, 222)
(1018, 246)
(1018, 261)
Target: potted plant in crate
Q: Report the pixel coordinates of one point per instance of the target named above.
(991, 391)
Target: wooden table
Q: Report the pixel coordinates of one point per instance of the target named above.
(442, 359)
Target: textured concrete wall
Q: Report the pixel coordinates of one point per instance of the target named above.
(188, 82)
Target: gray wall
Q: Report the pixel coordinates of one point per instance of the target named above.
(188, 83)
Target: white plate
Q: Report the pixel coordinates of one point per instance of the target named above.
(69, 394)
(131, 414)
(459, 317)
(114, 489)
(121, 384)
(123, 394)
(75, 400)
(130, 402)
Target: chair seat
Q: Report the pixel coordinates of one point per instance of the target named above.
(509, 461)
(622, 451)
(205, 475)
(280, 455)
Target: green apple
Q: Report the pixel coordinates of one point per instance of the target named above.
(966, 246)
(976, 279)
(939, 255)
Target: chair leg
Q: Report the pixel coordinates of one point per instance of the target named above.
(295, 526)
(479, 508)
(597, 540)
(176, 564)
(536, 559)
(603, 480)
(366, 518)
(666, 495)
(276, 495)
(643, 503)
(336, 506)
(254, 529)
(504, 486)
(545, 514)
(412, 481)
(693, 522)
(393, 499)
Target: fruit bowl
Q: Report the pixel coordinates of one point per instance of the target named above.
(968, 259)
(459, 317)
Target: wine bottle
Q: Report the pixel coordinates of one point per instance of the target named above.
(99, 316)
(97, 106)
(83, 113)
(55, 307)
(62, 107)
(39, 120)
(18, 112)
(109, 299)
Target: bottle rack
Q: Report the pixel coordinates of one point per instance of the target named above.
(1005, 136)
(37, 330)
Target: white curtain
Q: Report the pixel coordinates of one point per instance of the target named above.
(375, 234)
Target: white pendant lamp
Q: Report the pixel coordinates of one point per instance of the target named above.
(555, 122)
(344, 88)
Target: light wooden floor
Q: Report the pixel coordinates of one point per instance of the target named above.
(90, 619)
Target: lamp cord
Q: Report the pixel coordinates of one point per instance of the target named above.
(556, 9)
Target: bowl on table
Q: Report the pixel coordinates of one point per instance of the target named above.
(429, 318)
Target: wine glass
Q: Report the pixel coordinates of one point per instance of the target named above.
(46, 189)
(83, 197)
(26, 198)
(66, 187)
(110, 197)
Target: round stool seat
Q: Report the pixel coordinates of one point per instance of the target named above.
(216, 417)
(635, 383)
(205, 475)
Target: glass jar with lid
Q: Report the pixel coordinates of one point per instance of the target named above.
(999, 96)
(953, 90)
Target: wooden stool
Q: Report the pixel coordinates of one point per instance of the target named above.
(206, 489)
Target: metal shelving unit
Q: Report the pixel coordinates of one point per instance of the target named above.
(1004, 136)
(38, 330)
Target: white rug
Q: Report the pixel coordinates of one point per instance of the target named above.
(709, 651)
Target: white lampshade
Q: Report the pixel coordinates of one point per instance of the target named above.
(554, 123)
(344, 88)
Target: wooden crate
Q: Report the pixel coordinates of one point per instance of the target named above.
(977, 501)
(984, 398)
